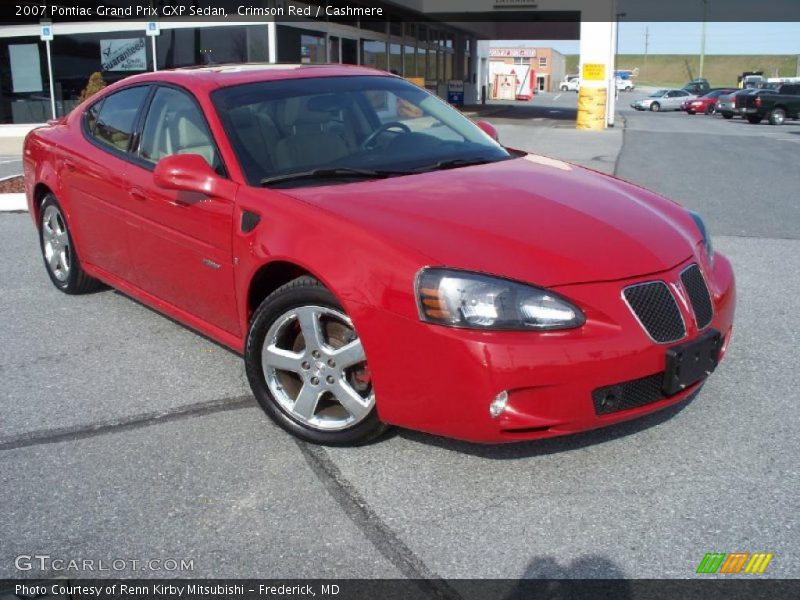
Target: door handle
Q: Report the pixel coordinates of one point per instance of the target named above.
(137, 194)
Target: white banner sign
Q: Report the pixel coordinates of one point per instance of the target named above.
(123, 55)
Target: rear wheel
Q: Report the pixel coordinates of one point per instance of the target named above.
(711, 109)
(58, 251)
(307, 367)
(777, 116)
(655, 107)
(753, 119)
(727, 115)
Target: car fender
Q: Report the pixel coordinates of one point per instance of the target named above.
(358, 266)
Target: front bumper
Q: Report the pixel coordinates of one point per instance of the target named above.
(442, 380)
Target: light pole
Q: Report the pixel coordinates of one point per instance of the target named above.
(619, 15)
(703, 38)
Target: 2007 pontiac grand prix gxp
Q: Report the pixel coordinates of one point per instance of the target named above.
(377, 257)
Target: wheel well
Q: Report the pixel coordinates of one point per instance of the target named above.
(781, 106)
(268, 279)
(39, 192)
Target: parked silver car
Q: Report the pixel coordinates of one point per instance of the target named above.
(666, 99)
(726, 105)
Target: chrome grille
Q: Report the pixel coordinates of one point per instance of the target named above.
(695, 285)
(656, 309)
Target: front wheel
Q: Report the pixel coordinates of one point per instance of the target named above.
(777, 116)
(307, 367)
(58, 251)
(655, 107)
(727, 115)
(711, 109)
(564, 88)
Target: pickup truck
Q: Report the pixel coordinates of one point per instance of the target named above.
(776, 105)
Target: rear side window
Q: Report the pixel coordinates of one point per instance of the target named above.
(117, 117)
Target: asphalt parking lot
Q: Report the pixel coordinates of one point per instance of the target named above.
(126, 435)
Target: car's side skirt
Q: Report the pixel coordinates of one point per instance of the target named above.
(185, 318)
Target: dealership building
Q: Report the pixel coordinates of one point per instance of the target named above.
(434, 42)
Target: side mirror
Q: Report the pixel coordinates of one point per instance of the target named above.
(187, 173)
(488, 129)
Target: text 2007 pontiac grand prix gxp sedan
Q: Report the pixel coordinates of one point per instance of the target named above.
(377, 257)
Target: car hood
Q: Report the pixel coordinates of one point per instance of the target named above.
(534, 219)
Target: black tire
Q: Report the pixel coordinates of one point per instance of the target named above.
(777, 116)
(753, 119)
(564, 88)
(655, 107)
(690, 112)
(711, 109)
(70, 278)
(727, 115)
(301, 292)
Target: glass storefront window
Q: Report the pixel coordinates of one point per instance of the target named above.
(312, 49)
(373, 54)
(333, 49)
(409, 62)
(211, 45)
(432, 73)
(115, 55)
(24, 82)
(395, 59)
(422, 57)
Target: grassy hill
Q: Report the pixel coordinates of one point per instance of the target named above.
(720, 69)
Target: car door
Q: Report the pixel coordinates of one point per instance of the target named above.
(181, 241)
(671, 100)
(93, 176)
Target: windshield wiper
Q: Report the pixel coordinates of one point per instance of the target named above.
(332, 173)
(454, 164)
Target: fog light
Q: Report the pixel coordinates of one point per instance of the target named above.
(498, 405)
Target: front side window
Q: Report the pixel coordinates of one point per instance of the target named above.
(114, 123)
(175, 125)
(363, 122)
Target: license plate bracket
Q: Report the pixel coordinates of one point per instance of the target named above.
(691, 362)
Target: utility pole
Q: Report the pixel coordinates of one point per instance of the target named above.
(703, 38)
(646, 45)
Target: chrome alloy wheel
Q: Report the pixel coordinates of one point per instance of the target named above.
(315, 368)
(55, 243)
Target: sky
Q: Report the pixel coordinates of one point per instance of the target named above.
(684, 38)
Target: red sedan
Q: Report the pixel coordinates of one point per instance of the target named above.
(378, 258)
(706, 104)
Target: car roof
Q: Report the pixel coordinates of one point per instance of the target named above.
(210, 77)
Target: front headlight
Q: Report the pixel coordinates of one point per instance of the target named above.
(475, 301)
(706, 236)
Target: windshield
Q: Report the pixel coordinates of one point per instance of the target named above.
(658, 94)
(337, 125)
